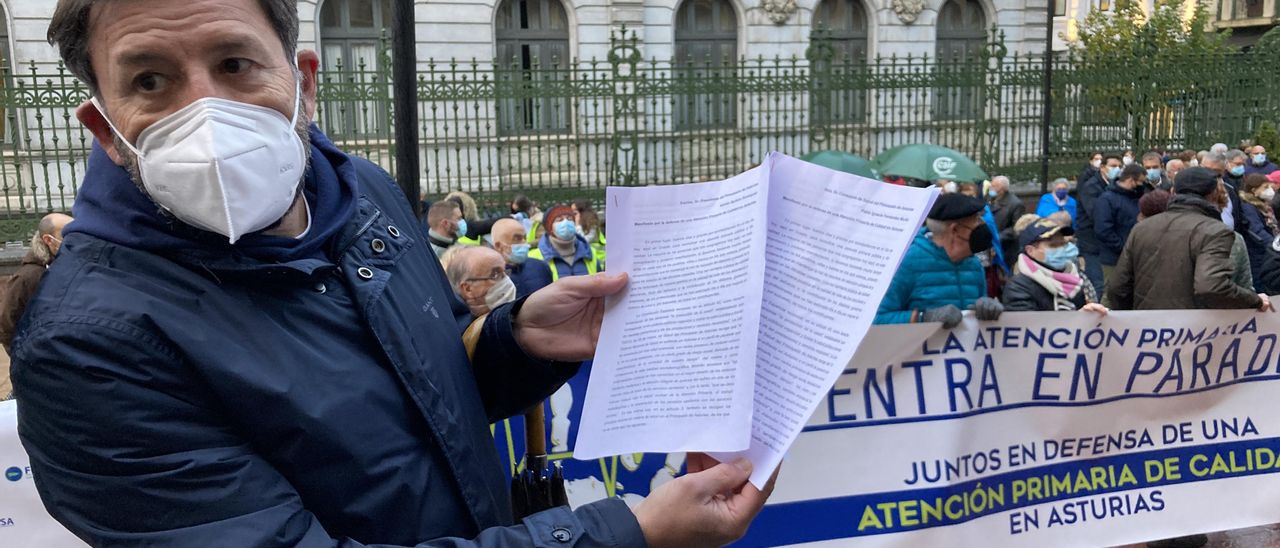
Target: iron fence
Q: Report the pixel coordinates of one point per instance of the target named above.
(558, 129)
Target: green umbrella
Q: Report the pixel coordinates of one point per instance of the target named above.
(928, 163)
(842, 161)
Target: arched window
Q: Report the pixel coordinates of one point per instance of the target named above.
(962, 30)
(533, 53)
(706, 49)
(351, 33)
(962, 35)
(842, 24)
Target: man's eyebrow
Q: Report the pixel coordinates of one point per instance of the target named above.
(225, 46)
(141, 57)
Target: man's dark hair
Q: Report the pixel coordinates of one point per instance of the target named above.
(69, 31)
(1153, 155)
(1112, 156)
(1132, 171)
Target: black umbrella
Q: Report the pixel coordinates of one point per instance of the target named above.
(540, 486)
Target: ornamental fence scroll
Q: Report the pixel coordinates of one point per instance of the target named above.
(557, 129)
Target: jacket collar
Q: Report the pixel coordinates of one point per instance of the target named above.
(1193, 203)
(111, 207)
(1116, 188)
(925, 238)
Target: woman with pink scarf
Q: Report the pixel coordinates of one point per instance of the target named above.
(1046, 277)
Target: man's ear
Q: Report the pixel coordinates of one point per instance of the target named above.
(308, 65)
(96, 122)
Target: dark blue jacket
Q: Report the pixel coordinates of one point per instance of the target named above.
(1257, 239)
(1114, 215)
(928, 279)
(1265, 169)
(179, 391)
(1088, 193)
(529, 276)
(1049, 205)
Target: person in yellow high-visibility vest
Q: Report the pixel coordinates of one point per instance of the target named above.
(589, 226)
(564, 250)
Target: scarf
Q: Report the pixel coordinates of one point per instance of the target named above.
(1064, 286)
(1264, 209)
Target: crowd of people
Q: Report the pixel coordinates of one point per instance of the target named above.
(1112, 242)
(496, 260)
(1160, 231)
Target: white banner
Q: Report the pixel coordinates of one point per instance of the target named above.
(23, 519)
(1042, 429)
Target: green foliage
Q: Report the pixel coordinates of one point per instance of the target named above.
(1130, 34)
(1267, 136)
(1269, 43)
(1129, 54)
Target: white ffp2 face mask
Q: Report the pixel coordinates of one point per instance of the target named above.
(501, 293)
(220, 165)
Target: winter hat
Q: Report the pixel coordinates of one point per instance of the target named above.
(1200, 181)
(557, 212)
(953, 206)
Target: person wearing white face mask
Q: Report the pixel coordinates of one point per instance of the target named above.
(1256, 194)
(246, 339)
(1088, 194)
(529, 274)
(1046, 277)
(478, 276)
(563, 248)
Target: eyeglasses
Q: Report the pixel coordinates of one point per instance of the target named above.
(495, 276)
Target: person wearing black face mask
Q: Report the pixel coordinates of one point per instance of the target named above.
(940, 276)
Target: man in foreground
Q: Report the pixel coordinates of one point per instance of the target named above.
(245, 342)
(1181, 259)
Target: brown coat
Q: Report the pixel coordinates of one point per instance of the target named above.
(18, 290)
(1179, 259)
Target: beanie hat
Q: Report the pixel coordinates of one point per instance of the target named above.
(1200, 181)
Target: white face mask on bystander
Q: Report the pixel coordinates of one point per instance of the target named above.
(220, 165)
(501, 293)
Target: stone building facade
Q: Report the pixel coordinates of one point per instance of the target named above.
(467, 29)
